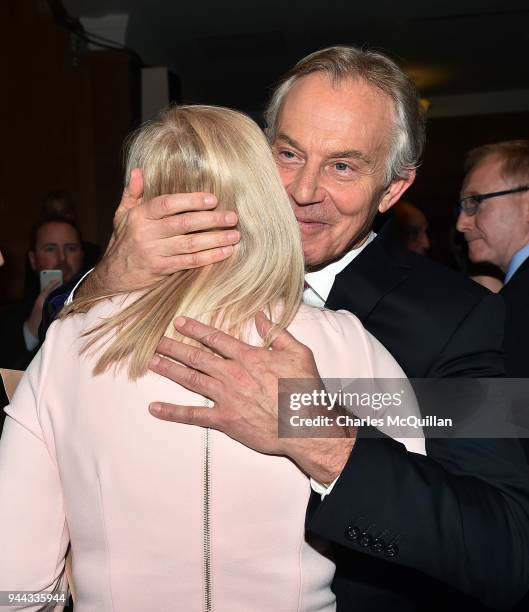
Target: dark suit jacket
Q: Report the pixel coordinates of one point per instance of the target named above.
(415, 532)
(13, 352)
(516, 296)
(53, 305)
(3, 403)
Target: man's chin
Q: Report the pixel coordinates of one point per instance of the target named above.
(311, 261)
(477, 256)
(316, 260)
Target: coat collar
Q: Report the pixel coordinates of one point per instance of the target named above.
(374, 273)
(518, 280)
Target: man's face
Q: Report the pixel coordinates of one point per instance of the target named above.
(331, 148)
(417, 239)
(501, 225)
(57, 248)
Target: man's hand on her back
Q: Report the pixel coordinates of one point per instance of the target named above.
(243, 384)
(164, 235)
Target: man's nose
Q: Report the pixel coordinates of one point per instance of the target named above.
(62, 256)
(305, 189)
(464, 222)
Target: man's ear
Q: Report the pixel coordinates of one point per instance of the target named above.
(395, 191)
(32, 261)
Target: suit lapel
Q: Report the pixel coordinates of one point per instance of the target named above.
(374, 273)
(519, 280)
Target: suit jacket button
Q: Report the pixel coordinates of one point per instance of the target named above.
(392, 550)
(378, 545)
(352, 532)
(365, 540)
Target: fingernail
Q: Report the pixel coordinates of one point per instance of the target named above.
(155, 360)
(179, 322)
(230, 217)
(209, 200)
(234, 236)
(156, 408)
(227, 250)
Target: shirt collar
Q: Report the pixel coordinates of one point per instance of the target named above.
(517, 260)
(323, 280)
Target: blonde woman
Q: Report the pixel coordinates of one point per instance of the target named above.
(163, 516)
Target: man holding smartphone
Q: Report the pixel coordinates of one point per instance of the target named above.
(56, 257)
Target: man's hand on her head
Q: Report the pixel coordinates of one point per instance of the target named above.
(164, 235)
(243, 384)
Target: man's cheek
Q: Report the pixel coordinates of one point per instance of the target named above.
(477, 249)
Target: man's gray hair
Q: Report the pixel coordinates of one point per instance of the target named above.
(340, 63)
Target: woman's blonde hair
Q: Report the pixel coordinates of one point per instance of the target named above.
(220, 151)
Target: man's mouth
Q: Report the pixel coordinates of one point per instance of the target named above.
(308, 226)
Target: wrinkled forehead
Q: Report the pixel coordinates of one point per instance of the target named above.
(346, 114)
(486, 176)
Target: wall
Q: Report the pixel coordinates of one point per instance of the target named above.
(63, 128)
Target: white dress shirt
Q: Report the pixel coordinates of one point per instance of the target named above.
(319, 286)
(321, 282)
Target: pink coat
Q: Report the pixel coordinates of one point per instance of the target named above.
(83, 461)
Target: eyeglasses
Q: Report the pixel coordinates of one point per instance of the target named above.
(471, 203)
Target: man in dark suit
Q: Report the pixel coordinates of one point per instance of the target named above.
(55, 245)
(494, 218)
(428, 317)
(412, 532)
(413, 227)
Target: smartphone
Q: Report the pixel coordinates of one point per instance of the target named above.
(48, 276)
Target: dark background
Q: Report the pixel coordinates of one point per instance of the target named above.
(67, 107)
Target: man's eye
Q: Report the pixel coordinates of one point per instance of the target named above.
(287, 154)
(342, 167)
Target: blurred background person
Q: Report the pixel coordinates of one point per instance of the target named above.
(412, 226)
(59, 203)
(55, 245)
(494, 219)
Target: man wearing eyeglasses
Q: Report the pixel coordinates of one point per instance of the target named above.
(494, 217)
